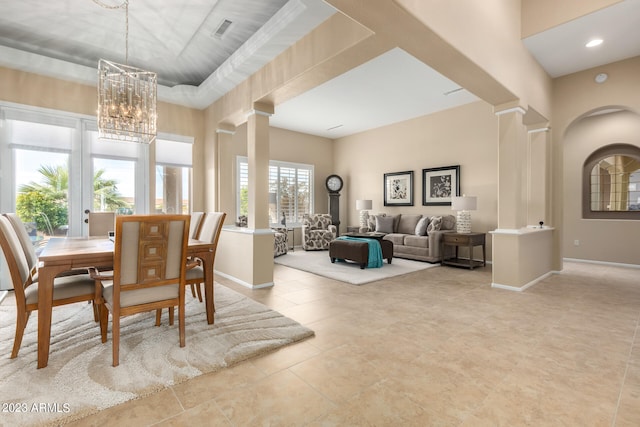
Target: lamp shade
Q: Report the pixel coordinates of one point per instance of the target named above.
(363, 205)
(464, 203)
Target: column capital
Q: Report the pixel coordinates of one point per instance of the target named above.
(261, 109)
(226, 128)
(539, 130)
(509, 107)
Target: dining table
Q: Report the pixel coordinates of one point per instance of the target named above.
(62, 254)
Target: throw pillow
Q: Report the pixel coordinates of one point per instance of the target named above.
(421, 227)
(435, 224)
(384, 224)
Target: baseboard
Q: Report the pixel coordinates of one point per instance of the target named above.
(522, 288)
(613, 264)
(243, 283)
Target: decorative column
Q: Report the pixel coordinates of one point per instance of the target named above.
(258, 160)
(539, 177)
(522, 255)
(245, 254)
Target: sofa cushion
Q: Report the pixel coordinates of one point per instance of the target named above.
(416, 241)
(434, 224)
(448, 222)
(395, 238)
(407, 223)
(384, 224)
(421, 226)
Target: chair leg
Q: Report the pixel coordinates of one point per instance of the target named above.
(181, 310)
(96, 312)
(115, 338)
(21, 323)
(171, 316)
(199, 290)
(193, 290)
(104, 319)
(158, 316)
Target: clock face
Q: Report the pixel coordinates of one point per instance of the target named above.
(334, 183)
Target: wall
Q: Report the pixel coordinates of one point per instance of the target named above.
(465, 136)
(576, 137)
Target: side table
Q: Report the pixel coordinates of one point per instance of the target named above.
(468, 240)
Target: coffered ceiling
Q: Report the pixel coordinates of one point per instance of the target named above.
(196, 66)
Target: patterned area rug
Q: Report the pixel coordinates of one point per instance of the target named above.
(318, 262)
(80, 379)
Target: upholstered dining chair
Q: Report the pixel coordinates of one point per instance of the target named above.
(209, 232)
(149, 272)
(100, 223)
(66, 290)
(196, 222)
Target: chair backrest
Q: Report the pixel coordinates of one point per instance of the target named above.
(211, 226)
(196, 222)
(317, 221)
(100, 223)
(16, 260)
(150, 250)
(25, 241)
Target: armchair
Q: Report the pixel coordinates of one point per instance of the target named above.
(280, 241)
(317, 232)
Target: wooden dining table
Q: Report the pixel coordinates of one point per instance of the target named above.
(69, 253)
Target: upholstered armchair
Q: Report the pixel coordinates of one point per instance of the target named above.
(317, 232)
(280, 243)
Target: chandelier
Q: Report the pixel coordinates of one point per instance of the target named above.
(126, 97)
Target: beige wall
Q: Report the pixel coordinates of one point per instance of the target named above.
(576, 137)
(541, 15)
(465, 136)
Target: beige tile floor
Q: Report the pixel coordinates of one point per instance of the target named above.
(433, 348)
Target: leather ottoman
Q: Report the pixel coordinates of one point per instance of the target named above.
(358, 251)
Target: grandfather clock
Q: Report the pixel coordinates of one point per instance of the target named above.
(334, 184)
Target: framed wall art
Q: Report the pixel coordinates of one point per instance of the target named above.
(439, 185)
(398, 189)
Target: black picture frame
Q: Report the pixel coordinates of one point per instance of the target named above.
(398, 188)
(439, 185)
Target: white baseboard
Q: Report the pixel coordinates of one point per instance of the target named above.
(613, 264)
(522, 288)
(243, 283)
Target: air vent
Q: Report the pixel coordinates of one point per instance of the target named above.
(453, 91)
(224, 26)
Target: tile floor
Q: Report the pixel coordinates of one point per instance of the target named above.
(438, 347)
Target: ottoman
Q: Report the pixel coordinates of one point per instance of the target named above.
(357, 251)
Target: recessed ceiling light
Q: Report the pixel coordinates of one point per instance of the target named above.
(601, 78)
(594, 43)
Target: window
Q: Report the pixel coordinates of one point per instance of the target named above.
(290, 190)
(611, 183)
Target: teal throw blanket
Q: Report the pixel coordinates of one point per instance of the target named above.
(375, 250)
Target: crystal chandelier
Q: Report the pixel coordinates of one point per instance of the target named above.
(126, 97)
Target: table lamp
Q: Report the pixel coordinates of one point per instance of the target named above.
(363, 206)
(463, 204)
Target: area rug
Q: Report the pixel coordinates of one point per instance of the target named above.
(318, 262)
(80, 380)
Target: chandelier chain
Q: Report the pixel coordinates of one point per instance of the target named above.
(125, 5)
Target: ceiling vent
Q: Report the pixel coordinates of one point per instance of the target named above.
(222, 29)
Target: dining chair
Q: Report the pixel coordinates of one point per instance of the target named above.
(209, 232)
(66, 289)
(100, 223)
(149, 271)
(210, 228)
(25, 242)
(196, 222)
